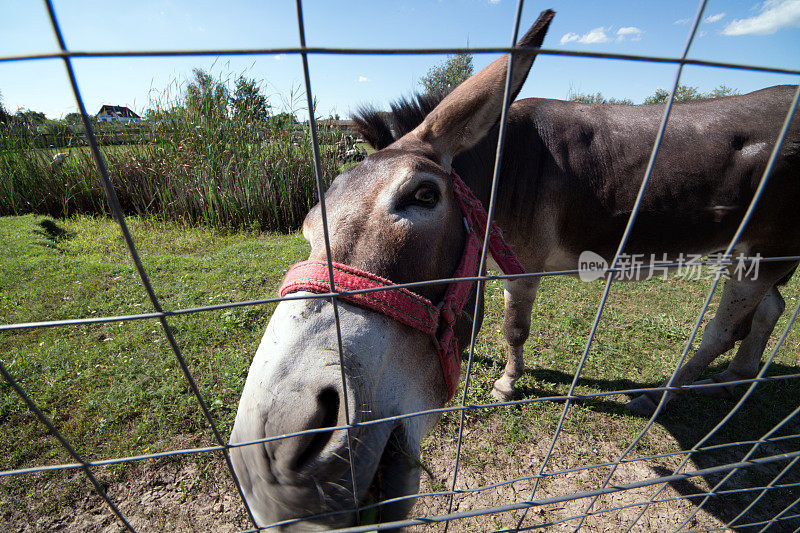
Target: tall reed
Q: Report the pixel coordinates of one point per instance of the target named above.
(197, 162)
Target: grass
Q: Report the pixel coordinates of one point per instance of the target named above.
(642, 332)
(115, 389)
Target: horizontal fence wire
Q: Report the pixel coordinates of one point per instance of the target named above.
(571, 497)
(622, 271)
(396, 51)
(611, 274)
(456, 409)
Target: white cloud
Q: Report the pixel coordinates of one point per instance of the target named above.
(597, 35)
(568, 37)
(362, 79)
(494, 2)
(600, 35)
(775, 14)
(682, 21)
(711, 19)
(629, 32)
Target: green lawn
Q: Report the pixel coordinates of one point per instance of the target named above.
(115, 389)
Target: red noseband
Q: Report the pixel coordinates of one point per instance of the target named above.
(408, 307)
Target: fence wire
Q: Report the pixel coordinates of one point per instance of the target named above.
(748, 460)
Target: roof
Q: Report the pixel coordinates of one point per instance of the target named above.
(118, 110)
(336, 123)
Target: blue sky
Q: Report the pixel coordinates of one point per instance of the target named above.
(747, 31)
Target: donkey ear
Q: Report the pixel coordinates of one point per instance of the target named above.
(467, 114)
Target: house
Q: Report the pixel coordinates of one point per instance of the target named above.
(336, 124)
(346, 127)
(117, 113)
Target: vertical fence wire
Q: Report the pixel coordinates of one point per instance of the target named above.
(324, 214)
(114, 205)
(745, 220)
(747, 456)
(779, 516)
(732, 522)
(223, 447)
(489, 215)
(623, 241)
(726, 256)
(65, 443)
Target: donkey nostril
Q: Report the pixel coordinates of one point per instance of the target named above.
(315, 409)
(327, 415)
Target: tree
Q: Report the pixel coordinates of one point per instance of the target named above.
(5, 118)
(597, 98)
(684, 93)
(29, 119)
(206, 96)
(55, 127)
(73, 118)
(446, 76)
(248, 102)
(282, 120)
(722, 90)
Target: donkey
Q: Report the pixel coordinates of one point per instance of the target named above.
(567, 184)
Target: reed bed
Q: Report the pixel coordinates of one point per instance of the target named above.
(198, 162)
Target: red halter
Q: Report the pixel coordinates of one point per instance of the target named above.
(408, 307)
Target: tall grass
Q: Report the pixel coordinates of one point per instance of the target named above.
(198, 163)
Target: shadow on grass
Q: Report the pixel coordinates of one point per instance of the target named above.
(691, 417)
(54, 234)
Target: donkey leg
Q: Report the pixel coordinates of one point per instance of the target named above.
(746, 362)
(518, 299)
(731, 323)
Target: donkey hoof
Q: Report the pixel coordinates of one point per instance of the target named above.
(502, 394)
(721, 391)
(642, 406)
(503, 389)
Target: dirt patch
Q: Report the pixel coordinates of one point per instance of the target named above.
(485, 465)
(154, 496)
(195, 493)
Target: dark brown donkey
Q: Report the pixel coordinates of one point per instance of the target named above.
(567, 185)
(569, 180)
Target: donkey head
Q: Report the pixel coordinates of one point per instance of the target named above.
(394, 215)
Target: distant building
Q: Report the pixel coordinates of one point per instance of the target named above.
(117, 113)
(336, 124)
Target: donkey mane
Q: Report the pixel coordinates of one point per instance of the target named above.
(382, 128)
(474, 165)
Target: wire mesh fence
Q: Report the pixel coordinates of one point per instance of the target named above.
(587, 490)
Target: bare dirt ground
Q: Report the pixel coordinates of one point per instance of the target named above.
(485, 464)
(527, 461)
(173, 496)
(196, 494)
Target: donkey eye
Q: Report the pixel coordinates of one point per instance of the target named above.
(426, 196)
